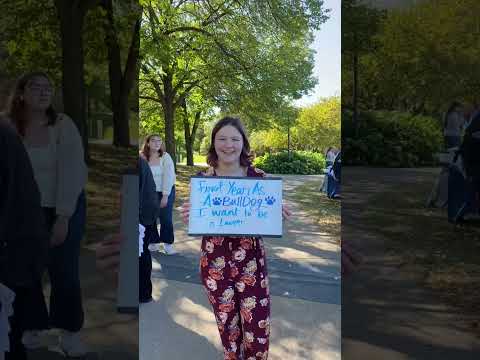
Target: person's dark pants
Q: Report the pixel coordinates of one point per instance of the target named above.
(145, 272)
(452, 141)
(66, 309)
(472, 198)
(165, 216)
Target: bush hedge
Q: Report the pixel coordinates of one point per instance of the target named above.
(300, 163)
(392, 139)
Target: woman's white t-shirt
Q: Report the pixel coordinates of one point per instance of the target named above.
(164, 174)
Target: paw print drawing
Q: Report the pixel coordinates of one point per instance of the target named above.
(270, 200)
(217, 201)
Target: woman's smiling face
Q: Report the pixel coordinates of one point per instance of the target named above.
(228, 145)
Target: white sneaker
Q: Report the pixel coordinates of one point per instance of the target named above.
(169, 249)
(154, 247)
(72, 345)
(35, 339)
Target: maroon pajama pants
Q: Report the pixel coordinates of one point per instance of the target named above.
(234, 273)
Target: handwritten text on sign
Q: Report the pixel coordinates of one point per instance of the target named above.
(235, 206)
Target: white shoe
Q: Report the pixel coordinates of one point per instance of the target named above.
(72, 345)
(169, 249)
(35, 339)
(154, 247)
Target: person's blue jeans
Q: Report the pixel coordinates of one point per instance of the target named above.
(165, 216)
(66, 308)
(452, 141)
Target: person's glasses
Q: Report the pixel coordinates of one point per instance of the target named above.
(37, 89)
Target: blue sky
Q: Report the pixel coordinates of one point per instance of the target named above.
(327, 45)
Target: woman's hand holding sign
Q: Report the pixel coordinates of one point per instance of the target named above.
(286, 212)
(185, 210)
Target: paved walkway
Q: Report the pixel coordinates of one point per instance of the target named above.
(108, 334)
(304, 268)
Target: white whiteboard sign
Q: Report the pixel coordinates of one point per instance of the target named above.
(235, 206)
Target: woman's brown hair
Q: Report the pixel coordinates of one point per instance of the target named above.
(16, 104)
(245, 156)
(145, 151)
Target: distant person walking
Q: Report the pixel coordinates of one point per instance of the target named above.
(163, 170)
(330, 155)
(453, 125)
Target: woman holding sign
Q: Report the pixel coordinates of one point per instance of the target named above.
(163, 170)
(234, 269)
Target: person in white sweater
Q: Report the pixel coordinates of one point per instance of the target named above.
(163, 170)
(56, 153)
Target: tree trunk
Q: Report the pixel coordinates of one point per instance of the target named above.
(186, 131)
(120, 83)
(169, 113)
(73, 88)
(190, 135)
(288, 141)
(355, 89)
(189, 149)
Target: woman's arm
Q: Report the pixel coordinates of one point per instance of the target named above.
(71, 167)
(168, 178)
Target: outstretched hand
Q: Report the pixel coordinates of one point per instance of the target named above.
(185, 211)
(351, 259)
(108, 253)
(286, 212)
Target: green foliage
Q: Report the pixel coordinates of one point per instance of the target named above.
(151, 122)
(422, 57)
(300, 163)
(316, 128)
(273, 140)
(31, 33)
(249, 58)
(392, 139)
(31, 37)
(133, 129)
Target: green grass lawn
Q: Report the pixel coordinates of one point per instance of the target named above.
(184, 173)
(103, 188)
(318, 206)
(197, 159)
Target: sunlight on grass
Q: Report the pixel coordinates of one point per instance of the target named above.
(318, 206)
(103, 188)
(184, 173)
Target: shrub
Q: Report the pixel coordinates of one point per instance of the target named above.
(392, 139)
(300, 162)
